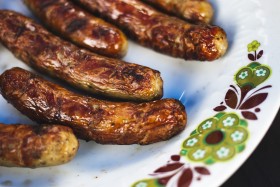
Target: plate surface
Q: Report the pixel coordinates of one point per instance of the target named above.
(232, 100)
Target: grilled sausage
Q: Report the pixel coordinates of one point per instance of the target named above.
(194, 11)
(80, 27)
(105, 122)
(81, 68)
(36, 146)
(163, 33)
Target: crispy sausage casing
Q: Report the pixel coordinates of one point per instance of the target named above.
(163, 33)
(81, 68)
(194, 11)
(36, 146)
(80, 27)
(92, 119)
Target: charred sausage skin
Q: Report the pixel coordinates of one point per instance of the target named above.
(80, 27)
(43, 51)
(168, 35)
(105, 122)
(36, 146)
(194, 11)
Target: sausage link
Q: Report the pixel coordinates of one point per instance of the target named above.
(163, 33)
(105, 122)
(96, 74)
(80, 27)
(194, 11)
(36, 146)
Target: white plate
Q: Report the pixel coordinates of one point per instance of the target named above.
(201, 87)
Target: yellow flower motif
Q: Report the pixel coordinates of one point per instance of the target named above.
(253, 46)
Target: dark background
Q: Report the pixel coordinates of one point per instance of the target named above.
(263, 166)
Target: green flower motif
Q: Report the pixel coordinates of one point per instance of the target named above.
(221, 141)
(261, 72)
(199, 154)
(253, 46)
(237, 136)
(192, 142)
(207, 125)
(228, 122)
(243, 75)
(223, 152)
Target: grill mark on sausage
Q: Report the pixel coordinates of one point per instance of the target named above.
(44, 4)
(20, 31)
(103, 33)
(133, 74)
(76, 24)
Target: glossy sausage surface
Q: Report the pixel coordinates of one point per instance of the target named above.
(43, 51)
(80, 27)
(36, 146)
(92, 119)
(194, 11)
(168, 35)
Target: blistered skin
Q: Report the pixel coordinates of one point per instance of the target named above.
(80, 27)
(168, 35)
(194, 11)
(92, 119)
(96, 74)
(36, 146)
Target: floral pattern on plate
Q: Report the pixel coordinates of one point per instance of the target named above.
(221, 137)
(183, 174)
(216, 139)
(245, 96)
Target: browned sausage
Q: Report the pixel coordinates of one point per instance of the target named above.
(81, 68)
(73, 23)
(36, 146)
(163, 33)
(194, 11)
(92, 119)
